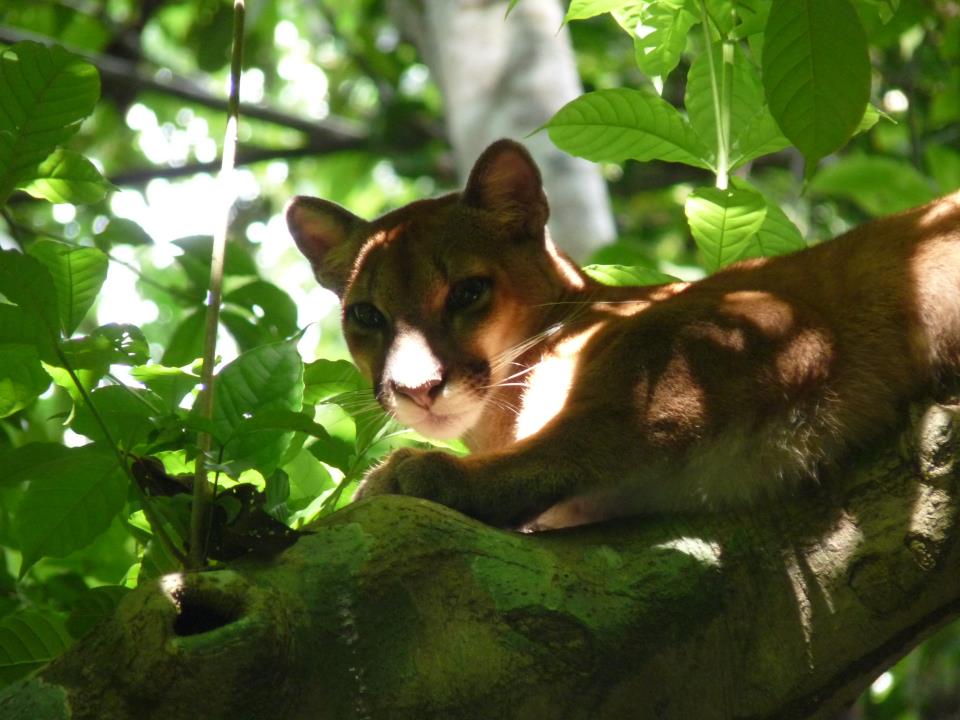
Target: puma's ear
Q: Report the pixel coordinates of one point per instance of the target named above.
(327, 236)
(506, 181)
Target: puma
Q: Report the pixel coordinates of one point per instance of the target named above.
(580, 402)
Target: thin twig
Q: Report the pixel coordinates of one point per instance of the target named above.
(202, 492)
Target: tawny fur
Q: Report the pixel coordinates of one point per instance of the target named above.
(583, 401)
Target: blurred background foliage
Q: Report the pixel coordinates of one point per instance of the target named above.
(339, 105)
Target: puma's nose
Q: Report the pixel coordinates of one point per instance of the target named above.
(423, 394)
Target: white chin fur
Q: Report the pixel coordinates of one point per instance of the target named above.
(438, 423)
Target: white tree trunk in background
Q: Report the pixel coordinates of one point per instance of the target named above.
(504, 77)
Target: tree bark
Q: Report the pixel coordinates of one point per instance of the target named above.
(505, 76)
(400, 608)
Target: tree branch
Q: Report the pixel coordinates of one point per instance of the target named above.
(332, 130)
(400, 608)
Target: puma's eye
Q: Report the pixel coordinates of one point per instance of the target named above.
(468, 292)
(366, 315)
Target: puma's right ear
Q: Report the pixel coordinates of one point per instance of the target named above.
(327, 236)
(506, 181)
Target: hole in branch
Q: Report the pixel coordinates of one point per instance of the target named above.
(197, 613)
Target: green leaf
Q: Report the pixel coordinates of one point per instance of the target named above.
(879, 185)
(659, 31)
(620, 124)
(93, 607)
(333, 451)
(627, 276)
(17, 462)
(120, 231)
(71, 500)
(753, 131)
(325, 379)
(752, 15)
(746, 96)
(582, 9)
(22, 377)
(107, 345)
(66, 177)
(17, 327)
(25, 281)
(776, 236)
(197, 251)
(274, 310)
(45, 92)
(78, 274)
(816, 73)
(723, 221)
(128, 413)
(186, 343)
(760, 136)
(169, 384)
(280, 419)
(29, 640)
(266, 378)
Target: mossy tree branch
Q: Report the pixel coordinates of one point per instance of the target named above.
(399, 608)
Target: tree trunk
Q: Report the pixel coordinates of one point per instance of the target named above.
(505, 76)
(399, 608)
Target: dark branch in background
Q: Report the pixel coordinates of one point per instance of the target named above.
(323, 136)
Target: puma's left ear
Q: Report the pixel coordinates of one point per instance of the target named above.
(506, 181)
(328, 236)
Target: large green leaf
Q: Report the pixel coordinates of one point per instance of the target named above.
(274, 311)
(325, 379)
(29, 640)
(582, 9)
(621, 124)
(659, 31)
(22, 377)
(723, 221)
(776, 236)
(268, 378)
(128, 413)
(20, 328)
(169, 384)
(71, 499)
(186, 343)
(753, 131)
(879, 185)
(816, 72)
(45, 92)
(197, 251)
(66, 177)
(107, 345)
(627, 275)
(25, 281)
(78, 274)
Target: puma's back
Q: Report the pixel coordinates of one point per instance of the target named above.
(598, 401)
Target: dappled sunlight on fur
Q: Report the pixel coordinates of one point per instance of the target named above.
(581, 402)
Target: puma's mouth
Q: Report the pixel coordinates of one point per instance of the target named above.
(439, 423)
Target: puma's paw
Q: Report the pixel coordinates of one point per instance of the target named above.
(425, 474)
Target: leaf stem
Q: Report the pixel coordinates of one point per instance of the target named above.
(202, 491)
(152, 517)
(720, 82)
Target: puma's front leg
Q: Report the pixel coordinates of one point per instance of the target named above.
(504, 489)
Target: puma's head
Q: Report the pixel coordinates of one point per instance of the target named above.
(438, 294)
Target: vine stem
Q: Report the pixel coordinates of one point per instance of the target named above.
(202, 490)
(720, 86)
(148, 510)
